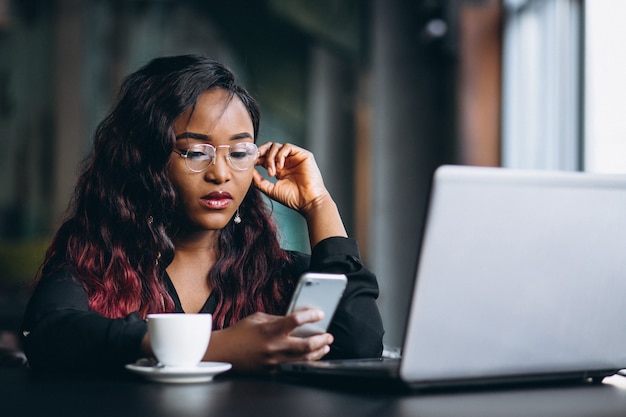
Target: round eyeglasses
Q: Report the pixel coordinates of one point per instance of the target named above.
(241, 156)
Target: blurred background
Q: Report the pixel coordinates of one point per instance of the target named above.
(382, 91)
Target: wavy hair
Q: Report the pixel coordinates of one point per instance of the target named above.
(117, 237)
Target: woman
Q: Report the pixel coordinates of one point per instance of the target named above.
(168, 216)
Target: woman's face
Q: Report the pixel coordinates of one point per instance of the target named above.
(211, 197)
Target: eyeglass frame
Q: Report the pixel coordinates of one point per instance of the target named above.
(185, 153)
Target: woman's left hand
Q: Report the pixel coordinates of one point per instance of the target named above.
(299, 182)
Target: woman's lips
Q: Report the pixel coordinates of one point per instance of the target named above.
(217, 199)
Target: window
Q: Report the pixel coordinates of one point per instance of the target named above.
(564, 87)
(605, 86)
(542, 79)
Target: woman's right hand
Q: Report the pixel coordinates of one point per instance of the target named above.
(262, 341)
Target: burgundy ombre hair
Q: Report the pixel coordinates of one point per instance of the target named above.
(117, 238)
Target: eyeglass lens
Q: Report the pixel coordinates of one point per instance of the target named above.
(241, 156)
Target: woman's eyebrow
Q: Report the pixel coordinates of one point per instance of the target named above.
(200, 136)
(243, 135)
(191, 135)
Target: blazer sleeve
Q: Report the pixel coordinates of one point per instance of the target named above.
(61, 333)
(357, 325)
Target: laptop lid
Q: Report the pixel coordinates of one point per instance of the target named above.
(521, 274)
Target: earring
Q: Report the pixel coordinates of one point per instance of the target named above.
(237, 218)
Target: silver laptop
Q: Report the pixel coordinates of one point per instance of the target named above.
(521, 277)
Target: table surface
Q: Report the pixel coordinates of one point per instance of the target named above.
(26, 393)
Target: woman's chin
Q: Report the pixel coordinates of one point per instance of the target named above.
(206, 223)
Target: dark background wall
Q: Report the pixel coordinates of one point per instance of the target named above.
(372, 87)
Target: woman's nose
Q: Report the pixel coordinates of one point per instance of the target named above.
(218, 171)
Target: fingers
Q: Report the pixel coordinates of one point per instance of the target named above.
(310, 348)
(306, 348)
(261, 183)
(298, 318)
(262, 341)
(299, 349)
(267, 157)
(303, 348)
(272, 156)
(277, 326)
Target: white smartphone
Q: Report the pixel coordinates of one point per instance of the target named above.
(321, 291)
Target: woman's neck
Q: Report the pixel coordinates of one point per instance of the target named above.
(194, 256)
(198, 241)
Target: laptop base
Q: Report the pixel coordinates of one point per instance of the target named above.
(358, 375)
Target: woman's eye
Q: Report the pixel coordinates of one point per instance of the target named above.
(238, 154)
(197, 155)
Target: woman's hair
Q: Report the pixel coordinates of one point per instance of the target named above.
(117, 238)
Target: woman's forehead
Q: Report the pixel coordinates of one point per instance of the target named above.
(216, 112)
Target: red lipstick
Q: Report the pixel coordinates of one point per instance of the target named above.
(217, 199)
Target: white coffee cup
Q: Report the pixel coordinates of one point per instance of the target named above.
(179, 340)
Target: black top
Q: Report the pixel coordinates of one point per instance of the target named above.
(61, 332)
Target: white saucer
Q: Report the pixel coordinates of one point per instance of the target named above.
(203, 372)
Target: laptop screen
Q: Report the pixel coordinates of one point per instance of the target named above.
(520, 272)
